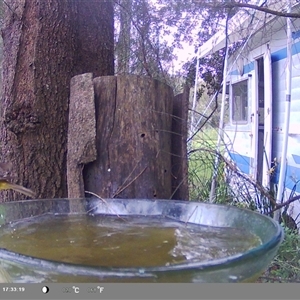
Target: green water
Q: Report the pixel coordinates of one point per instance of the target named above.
(122, 242)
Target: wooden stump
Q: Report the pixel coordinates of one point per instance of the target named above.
(133, 139)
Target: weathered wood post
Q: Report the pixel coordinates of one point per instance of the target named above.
(134, 123)
(81, 132)
(131, 125)
(179, 158)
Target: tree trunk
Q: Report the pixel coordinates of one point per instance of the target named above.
(124, 40)
(46, 42)
(133, 125)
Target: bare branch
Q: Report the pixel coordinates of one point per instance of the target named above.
(278, 206)
(234, 4)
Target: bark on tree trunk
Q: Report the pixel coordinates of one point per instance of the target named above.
(134, 123)
(123, 44)
(46, 42)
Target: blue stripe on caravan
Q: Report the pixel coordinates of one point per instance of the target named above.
(292, 175)
(275, 56)
(296, 34)
(296, 158)
(247, 69)
(242, 162)
(282, 53)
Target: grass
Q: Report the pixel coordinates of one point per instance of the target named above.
(286, 265)
(201, 167)
(201, 163)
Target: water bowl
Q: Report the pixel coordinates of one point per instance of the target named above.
(133, 240)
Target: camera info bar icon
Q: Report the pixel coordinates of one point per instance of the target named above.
(51, 291)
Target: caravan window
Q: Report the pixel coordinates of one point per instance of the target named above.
(239, 102)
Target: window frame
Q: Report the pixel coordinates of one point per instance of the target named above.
(231, 102)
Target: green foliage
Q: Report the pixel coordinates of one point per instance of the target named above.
(140, 48)
(149, 32)
(286, 265)
(201, 168)
(201, 161)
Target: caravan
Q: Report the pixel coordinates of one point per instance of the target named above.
(257, 90)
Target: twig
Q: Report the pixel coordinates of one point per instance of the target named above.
(278, 206)
(258, 186)
(94, 194)
(262, 191)
(120, 190)
(233, 168)
(191, 214)
(233, 4)
(178, 186)
(9, 7)
(127, 178)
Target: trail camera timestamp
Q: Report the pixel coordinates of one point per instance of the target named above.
(13, 289)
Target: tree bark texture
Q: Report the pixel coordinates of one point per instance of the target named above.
(46, 42)
(124, 41)
(179, 146)
(133, 137)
